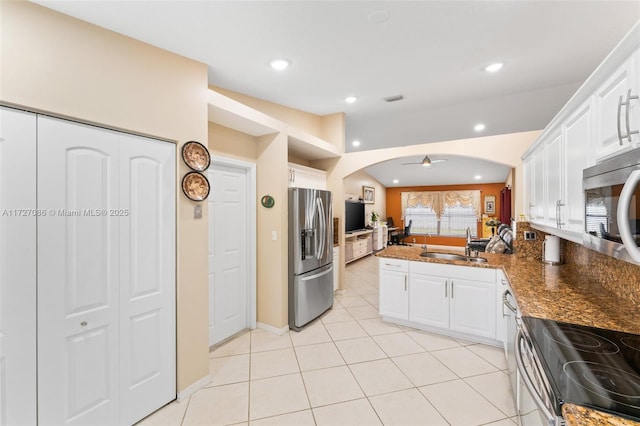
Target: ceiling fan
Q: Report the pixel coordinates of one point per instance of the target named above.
(426, 162)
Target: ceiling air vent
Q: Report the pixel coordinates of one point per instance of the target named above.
(394, 98)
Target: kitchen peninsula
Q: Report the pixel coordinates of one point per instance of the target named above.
(561, 293)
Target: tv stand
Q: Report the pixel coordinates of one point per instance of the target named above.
(358, 244)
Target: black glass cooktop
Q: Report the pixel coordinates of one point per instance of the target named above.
(589, 366)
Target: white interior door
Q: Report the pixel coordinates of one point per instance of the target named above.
(147, 276)
(228, 276)
(106, 283)
(17, 267)
(78, 282)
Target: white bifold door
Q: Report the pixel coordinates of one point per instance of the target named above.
(106, 274)
(17, 267)
(105, 293)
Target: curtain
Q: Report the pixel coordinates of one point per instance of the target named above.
(505, 205)
(438, 200)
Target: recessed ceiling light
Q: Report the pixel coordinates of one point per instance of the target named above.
(396, 181)
(350, 99)
(494, 67)
(279, 64)
(355, 143)
(477, 177)
(478, 127)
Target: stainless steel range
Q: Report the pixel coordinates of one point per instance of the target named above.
(567, 363)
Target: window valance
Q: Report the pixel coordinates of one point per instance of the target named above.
(438, 200)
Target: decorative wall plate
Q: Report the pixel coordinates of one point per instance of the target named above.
(196, 156)
(267, 201)
(195, 186)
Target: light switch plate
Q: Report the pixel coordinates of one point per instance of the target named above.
(197, 212)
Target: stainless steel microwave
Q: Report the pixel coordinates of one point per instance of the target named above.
(612, 206)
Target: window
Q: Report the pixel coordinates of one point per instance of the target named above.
(453, 223)
(443, 213)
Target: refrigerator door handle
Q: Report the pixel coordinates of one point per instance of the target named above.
(323, 225)
(319, 274)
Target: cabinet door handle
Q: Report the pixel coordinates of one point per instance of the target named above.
(626, 113)
(405, 282)
(559, 222)
(618, 118)
(452, 289)
(446, 287)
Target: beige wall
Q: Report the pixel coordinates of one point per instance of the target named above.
(230, 143)
(66, 67)
(353, 185)
(330, 127)
(505, 149)
(272, 265)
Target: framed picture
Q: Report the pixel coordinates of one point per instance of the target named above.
(490, 204)
(368, 194)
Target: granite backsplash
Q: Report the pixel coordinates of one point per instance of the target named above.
(619, 277)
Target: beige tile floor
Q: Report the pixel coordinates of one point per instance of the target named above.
(349, 368)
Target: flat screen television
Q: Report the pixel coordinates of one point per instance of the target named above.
(353, 216)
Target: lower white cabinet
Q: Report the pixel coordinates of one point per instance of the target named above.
(394, 288)
(452, 299)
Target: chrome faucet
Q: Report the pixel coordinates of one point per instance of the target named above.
(467, 249)
(424, 246)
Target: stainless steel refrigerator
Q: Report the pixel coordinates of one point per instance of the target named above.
(310, 255)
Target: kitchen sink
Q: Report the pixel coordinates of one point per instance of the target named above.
(451, 256)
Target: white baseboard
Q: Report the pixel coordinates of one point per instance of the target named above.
(193, 388)
(272, 329)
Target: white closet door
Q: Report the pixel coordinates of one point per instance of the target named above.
(78, 282)
(147, 276)
(17, 267)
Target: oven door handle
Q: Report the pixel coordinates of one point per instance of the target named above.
(628, 190)
(526, 378)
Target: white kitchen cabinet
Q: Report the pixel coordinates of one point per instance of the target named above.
(394, 288)
(577, 135)
(472, 307)
(552, 180)
(598, 122)
(429, 300)
(528, 187)
(611, 110)
(539, 199)
(553, 173)
(306, 177)
(450, 299)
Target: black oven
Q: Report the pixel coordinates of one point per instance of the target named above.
(612, 207)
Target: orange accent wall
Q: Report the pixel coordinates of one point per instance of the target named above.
(394, 207)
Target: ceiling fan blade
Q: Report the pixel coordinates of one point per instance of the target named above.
(439, 161)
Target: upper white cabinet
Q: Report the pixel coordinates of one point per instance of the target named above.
(617, 112)
(601, 120)
(306, 177)
(577, 133)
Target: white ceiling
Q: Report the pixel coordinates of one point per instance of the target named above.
(431, 52)
(456, 170)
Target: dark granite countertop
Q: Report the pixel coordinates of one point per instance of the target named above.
(559, 293)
